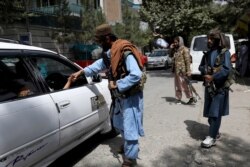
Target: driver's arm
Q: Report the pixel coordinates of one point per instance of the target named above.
(69, 82)
(90, 70)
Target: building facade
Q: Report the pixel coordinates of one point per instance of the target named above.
(112, 10)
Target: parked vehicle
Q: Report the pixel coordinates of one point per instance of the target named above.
(147, 53)
(144, 60)
(159, 58)
(199, 45)
(41, 125)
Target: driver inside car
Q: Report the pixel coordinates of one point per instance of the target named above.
(69, 82)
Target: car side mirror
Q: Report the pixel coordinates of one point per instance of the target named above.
(97, 78)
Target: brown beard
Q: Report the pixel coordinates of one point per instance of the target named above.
(106, 47)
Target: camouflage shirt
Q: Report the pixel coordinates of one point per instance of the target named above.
(182, 61)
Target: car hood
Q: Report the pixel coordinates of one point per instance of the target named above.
(162, 58)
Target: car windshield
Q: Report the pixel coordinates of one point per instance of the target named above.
(158, 53)
(200, 44)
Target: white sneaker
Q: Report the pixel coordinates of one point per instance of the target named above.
(178, 102)
(208, 142)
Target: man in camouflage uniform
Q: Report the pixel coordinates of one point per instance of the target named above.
(181, 69)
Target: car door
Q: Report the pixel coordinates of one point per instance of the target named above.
(29, 126)
(81, 108)
(197, 47)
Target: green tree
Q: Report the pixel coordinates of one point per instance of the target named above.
(191, 17)
(227, 15)
(130, 27)
(26, 14)
(183, 17)
(15, 11)
(63, 33)
(90, 18)
(11, 11)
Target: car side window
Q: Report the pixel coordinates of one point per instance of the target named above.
(16, 79)
(228, 42)
(200, 44)
(55, 72)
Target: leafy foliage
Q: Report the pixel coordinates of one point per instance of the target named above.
(191, 17)
(11, 11)
(130, 28)
(63, 33)
(90, 18)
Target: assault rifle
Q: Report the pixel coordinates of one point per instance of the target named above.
(191, 87)
(114, 92)
(208, 71)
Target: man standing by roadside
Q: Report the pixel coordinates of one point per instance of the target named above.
(215, 66)
(125, 73)
(181, 69)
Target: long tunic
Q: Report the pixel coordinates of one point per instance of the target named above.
(182, 68)
(128, 112)
(217, 105)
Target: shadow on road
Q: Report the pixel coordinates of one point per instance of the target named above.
(223, 155)
(230, 151)
(196, 130)
(170, 99)
(245, 81)
(75, 155)
(114, 145)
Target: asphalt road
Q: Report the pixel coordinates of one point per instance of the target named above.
(174, 132)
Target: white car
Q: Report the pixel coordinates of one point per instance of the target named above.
(41, 125)
(199, 45)
(159, 58)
